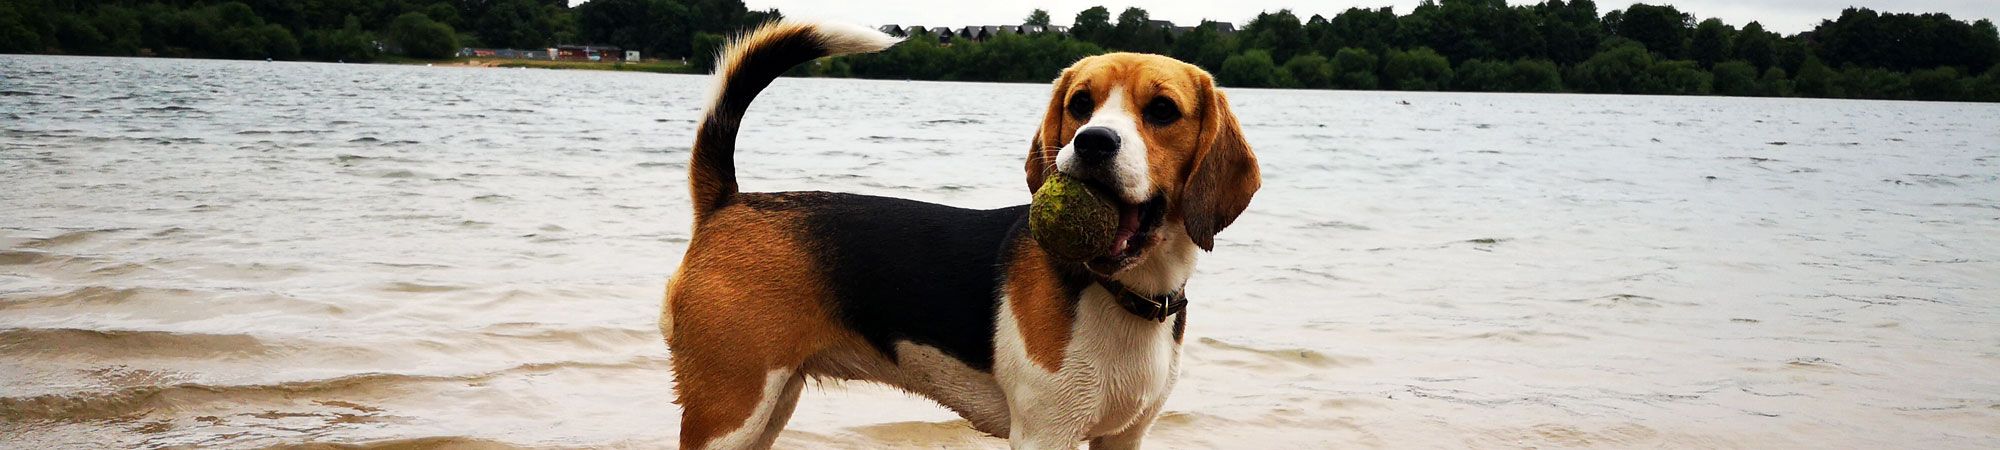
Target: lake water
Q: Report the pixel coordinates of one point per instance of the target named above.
(246, 254)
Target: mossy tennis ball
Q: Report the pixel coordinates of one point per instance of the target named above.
(1071, 221)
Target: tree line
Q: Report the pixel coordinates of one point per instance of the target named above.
(1458, 45)
(1489, 46)
(358, 30)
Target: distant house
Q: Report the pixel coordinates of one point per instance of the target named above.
(894, 30)
(507, 53)
(943, 34)
(1222, 27)
(588, 53)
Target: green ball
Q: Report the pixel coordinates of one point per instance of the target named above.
(1070, 220)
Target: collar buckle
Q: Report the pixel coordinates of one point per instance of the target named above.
(1156, 308)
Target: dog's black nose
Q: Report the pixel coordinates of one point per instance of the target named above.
(1096, 144)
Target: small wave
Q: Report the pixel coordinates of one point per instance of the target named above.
(1521, 337)
(404, 286)
(1337, 225)
(69, 238)
(87, 295)
(169, 108)
(1620, 301)
(899, 139)
(1303, 357)
(20, 257)
(397, 173)
(1967, 205)
(454, 442)
(139, 400)
(69, 342)
(268, 132)
(14, 93)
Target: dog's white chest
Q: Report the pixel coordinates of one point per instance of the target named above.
(1133, 362)
(1117, 371)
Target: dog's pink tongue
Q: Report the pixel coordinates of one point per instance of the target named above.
(1128, 224)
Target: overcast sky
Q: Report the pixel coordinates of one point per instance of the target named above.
(1783, 16)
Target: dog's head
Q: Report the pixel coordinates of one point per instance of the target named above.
(1157, 135)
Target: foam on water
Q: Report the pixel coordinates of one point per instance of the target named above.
(247, 254)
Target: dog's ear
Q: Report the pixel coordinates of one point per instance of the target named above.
(1224, 172)
(1049, 137)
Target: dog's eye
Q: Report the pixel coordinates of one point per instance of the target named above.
(1162, 111)
(1080, 105)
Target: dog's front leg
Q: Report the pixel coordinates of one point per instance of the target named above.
(1048, 414)
(1130, 437)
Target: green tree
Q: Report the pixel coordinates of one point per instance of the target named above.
(1354, 68)
(706, 48)
(1279, 33)
(1252, 68)
(1367, 29)
(1736, 78)
(1774, 83)
(422, 37)
(1092, 25)
(1311, 71)
(1756, 46)
(1938, 84)
(1873, 83)
(349, 43)
(1570, 30)
(1535, 75)
(1039, 17)
(1815, 79)
(1986, 87)
(514, 24)
(1135, 33)
(1612, 71)
(1711, 42)
(1662, 29)
(15, 34)
(1417, 70)
(1203, 47)
(1679, 77)
(1478, 75)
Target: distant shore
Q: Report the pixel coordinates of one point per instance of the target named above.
(656, 66)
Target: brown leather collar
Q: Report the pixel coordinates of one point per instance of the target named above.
(1156, 308)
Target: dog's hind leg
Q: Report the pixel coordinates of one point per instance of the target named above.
(737, 412)
(781, 409)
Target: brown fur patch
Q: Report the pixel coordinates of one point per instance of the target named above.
(746, 301)
(1043, 311)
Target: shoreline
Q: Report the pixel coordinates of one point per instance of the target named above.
(676, 68)
(656, 66)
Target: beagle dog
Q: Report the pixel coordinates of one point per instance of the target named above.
(957, 305)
